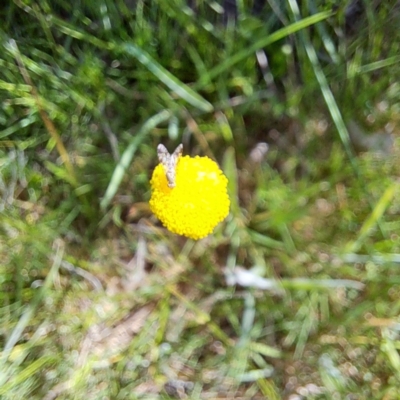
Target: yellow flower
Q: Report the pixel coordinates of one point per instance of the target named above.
(197, 203)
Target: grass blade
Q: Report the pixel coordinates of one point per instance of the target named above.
(378, 65)
(261, 43)
(230, 169)
(30, 310)
(317, 284)
(326, 91)
(178, 87)
(373, 220)
(25, 374)
(131, 49)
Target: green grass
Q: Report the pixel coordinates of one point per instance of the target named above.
(296, 295)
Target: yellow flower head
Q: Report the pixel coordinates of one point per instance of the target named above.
(196, 201)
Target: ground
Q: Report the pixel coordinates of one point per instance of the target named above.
(295, 295)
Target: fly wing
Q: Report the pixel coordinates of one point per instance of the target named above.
(162, 154)
(178, 152)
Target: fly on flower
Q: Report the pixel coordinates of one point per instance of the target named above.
(169, 161)
(188, 194)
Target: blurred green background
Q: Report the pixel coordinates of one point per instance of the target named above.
(296, 295)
